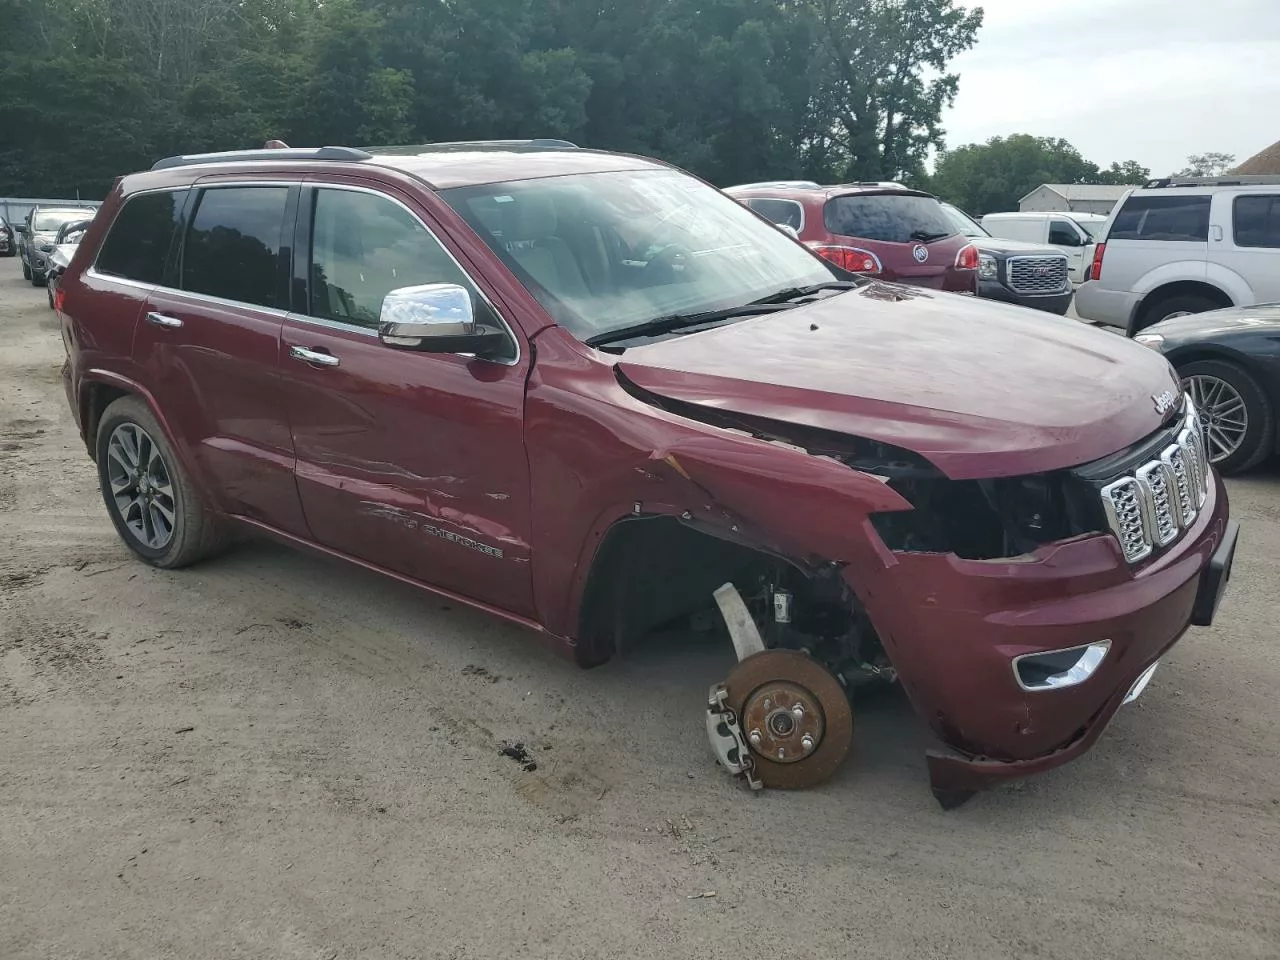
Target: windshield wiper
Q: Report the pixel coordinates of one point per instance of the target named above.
(679, 320)
(795, 293)
(925, 237)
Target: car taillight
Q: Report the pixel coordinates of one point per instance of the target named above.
(967, 258)
(852, 259)
(1095, 272)
(59, 298)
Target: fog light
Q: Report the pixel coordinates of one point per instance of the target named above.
(1059, 668)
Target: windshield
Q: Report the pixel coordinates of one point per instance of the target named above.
(963, 222)
(1092, 227)
(890, 217)
(48, 221)
(606, 251)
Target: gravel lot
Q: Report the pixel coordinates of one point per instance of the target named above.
(275, 756)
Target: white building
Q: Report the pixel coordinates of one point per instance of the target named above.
(1072, 198)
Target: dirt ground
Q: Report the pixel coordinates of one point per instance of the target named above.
(274, 756)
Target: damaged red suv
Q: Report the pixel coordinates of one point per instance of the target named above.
(591, 394)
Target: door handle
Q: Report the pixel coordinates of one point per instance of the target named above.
(314, 356)
(160, 320)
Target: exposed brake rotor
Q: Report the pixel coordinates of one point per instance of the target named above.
(794, 717)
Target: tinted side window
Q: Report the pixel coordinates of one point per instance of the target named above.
(1163, 218)
(233, 245)
(894, 218)
(138, 242)
(364, 246)
(1062, 234)
(1257, 221)
(782, 212)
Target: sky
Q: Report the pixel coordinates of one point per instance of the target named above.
(1145, 80)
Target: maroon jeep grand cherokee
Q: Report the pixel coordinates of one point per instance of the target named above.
(591, 394)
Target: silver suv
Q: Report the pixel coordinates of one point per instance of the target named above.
(1177, 247)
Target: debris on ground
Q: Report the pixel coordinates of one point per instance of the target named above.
(472, 670)
(518, 753)
(701, 896)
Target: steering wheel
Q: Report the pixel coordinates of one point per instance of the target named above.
(665, 261)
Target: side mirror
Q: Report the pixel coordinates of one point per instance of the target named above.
(436, 318)
(20, 229)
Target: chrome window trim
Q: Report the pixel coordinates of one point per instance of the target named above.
(302, 316)
(506, 324)
(795, 203)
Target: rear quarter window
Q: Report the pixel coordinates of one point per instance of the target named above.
(138, 242)
(1256, 221)
(782, 212)
(1163, 218)
(892, 218)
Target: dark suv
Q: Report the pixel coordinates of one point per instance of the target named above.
(593, 395)
(873, 229)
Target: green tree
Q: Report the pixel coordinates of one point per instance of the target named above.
(884, 83)
(994, 176)
(1207, 165)
(1125, 173)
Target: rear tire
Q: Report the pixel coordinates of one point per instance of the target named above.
(1215, 381)
(26, 271)
(156, 509)
(49, 290)
(1178, 307)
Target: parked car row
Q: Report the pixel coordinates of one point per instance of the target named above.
(38, 236)
(589, 393)
(8, 239)
(1192, 268)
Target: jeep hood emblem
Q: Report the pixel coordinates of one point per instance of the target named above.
(1164, 401)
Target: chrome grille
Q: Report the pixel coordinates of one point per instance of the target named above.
(1032, 275)
(1152, 507)
(1123, 502)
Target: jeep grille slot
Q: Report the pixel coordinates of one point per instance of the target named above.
(1151, 507)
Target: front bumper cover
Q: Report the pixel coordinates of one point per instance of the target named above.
(953, 644)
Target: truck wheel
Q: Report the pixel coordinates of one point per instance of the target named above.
(1178, 307)
(1239, 425)
(156, 509)
(37, 280)
(26, 271)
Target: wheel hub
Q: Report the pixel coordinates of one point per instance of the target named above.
(783, 722)
(795, 717)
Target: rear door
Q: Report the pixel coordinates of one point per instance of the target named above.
(209, 343)
(1250, 246)
(413, 462)
(1157, 230)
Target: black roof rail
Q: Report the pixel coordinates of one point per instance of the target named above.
(1226, 180)
(285, 153)
(409, 149)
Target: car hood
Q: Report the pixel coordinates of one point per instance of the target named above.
(1263, 316)
(1001, 245)
(981, 389)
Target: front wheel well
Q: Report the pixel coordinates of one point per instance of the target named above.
(655, 571)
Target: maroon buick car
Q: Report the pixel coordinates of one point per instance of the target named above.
(593, 395)
(874, 229)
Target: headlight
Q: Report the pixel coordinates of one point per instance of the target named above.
(987, 268)
(1152, 340)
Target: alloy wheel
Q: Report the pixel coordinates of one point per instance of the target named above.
(1223, 415)
(141, 488)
